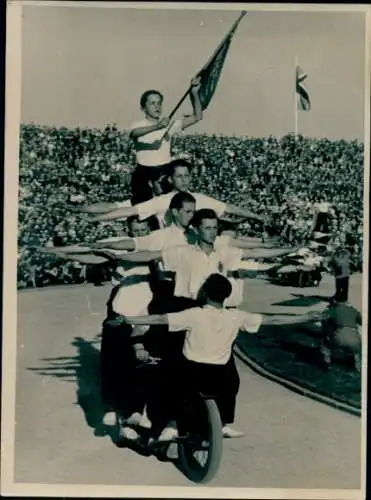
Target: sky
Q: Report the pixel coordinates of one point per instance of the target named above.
(87, 67)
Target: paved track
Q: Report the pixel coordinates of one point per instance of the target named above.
(291, 441)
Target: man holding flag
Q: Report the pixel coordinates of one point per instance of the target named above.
(152, 135)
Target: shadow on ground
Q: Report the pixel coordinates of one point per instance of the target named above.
(82, 369)
(301, 300)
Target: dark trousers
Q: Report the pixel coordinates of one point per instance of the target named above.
(222, 382)
(162, 343)
(169, 347)
(141, 189)
(117, 366)
(342, 288)
(123, 386)
(97, 273)
(127, 384)
(322, 223)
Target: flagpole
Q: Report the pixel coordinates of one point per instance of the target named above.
(296, 111)
(242, 14)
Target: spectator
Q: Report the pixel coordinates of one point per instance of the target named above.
(342, 329)
(340, 265)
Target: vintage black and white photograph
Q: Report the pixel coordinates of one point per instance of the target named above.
(185, 271)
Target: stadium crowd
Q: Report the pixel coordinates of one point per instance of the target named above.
(62, 168)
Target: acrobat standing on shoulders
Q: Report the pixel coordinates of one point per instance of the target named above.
(152, 140)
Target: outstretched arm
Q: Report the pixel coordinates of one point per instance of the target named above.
(251, 323)
(196, 105)
(241, 274)
(124, 244)
(243, 212)
(104, 207)
(117, 213)
(152, 319)
(282, 319)
(139, 257)
(247, 244)
(266, 253)
(177, 321)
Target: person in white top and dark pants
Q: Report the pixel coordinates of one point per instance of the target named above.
(193, 264)
(208, 364)
(180, 180)
(131, 294)
(152, 140)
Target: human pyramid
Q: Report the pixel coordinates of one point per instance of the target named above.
(181, 268)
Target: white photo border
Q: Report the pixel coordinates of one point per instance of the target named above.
(12, 132)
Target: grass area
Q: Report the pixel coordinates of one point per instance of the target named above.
(293, 354)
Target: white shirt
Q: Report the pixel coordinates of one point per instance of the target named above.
(235, 262)
(162, 239)
(159, 206)
(211, 332)
(193, 266)
(123, 204)
(134, 294)
(322, 207)
(161, 156)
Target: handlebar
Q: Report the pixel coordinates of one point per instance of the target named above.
(150, 361)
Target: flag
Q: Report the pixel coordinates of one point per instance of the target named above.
(304, 103)
(210, 73)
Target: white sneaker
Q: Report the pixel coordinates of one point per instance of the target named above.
(168, 434)
(229, 432)
(128, 433)
(134, 419)
(110, 418)
(144, 420)
(172, 451)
